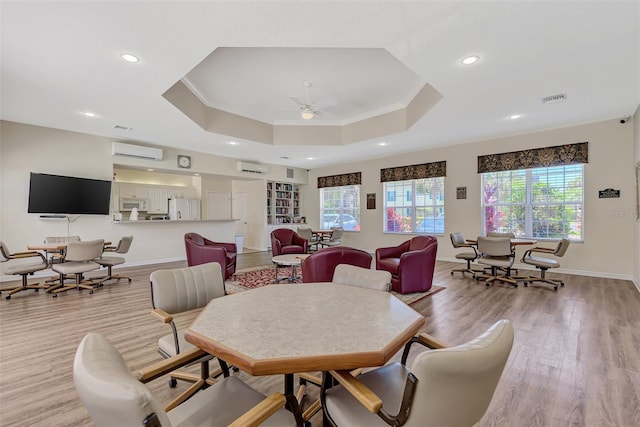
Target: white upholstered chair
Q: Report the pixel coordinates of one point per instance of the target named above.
(114, 397)
(78, 259)
(352, 275)
(22, 269)
(178, 291)
(458, 241)
(109, 261)
(497, 253)
(446, 386)
(543, 263)
(335, 239)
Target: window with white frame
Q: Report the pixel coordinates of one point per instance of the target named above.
(340, 207)
(545, 202)
(414, 206)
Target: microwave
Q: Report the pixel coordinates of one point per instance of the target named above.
(129, 204)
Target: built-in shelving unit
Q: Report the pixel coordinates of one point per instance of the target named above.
(283, 203)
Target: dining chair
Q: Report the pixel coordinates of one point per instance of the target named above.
(307, 233)
(77, 260)
(497, 253)
(510, 235)
(177, 291)
(22, 269)
(543, 263)
(109, 261)
(444, 386)
(335, 239)
(114, 397)
(55, 255)
(458, 241)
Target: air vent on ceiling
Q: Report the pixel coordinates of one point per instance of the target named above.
(554, 98)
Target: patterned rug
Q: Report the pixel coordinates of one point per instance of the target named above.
(251, 278)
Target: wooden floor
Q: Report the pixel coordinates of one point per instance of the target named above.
(575, 361)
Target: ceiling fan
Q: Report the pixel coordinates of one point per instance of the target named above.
(309, 109)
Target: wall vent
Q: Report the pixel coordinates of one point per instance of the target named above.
(251, 167)
(289, 173)
(554, 98)
(139, 151)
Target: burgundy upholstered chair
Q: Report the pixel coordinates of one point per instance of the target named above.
(411, 264)
(285, 241)
(202, 251)
(319, 267)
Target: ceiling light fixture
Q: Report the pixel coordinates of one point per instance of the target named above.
(382, 144)
(306, 114)
(470, 59)
(232, 143)
(130, 58)
(514, 116)
(310, 158)
(88, 114)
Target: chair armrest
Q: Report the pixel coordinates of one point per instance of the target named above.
(166, 366)
(29, 254)
(261, 412)
(543, 250)
(361, 392)
(162, 315)
(431, 342)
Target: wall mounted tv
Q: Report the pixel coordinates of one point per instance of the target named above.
(56, 194)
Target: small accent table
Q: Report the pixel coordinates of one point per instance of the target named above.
(290, 260)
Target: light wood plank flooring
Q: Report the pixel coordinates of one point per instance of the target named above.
(575, 361)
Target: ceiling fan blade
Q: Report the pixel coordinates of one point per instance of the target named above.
(297, 101)
(325, 103)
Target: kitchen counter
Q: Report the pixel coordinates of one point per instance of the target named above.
(173, 221)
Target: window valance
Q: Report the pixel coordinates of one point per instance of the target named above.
(535, 158)
(354, 178)
(424, 170)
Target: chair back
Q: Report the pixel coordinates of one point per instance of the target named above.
(305, 232)
(457, 240)
(84, 251)
(562, 247)
(494, 246)
(194, 238)
(352, 275)
(283, 235)
(123, 245)
(61, 239)
(456, 384)
(418, 243)
(336, 234)
(320, 266)
(111, 394)
(496, 234)
(5, 255)
(184, 289)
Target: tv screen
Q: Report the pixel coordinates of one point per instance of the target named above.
(55, 194)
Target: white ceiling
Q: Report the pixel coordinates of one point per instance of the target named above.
(60, 59)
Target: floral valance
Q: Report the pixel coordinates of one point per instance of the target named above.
(354, 178)
(424, 170)
(535, 158)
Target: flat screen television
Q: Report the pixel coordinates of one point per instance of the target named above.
(56, 194)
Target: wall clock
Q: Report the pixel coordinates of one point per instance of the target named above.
(184, 161)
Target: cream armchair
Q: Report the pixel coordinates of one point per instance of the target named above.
(446, 386)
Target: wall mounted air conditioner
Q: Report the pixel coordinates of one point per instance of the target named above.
(130, 150)
(251, 167)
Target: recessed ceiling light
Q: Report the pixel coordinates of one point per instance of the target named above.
(150, 170)
(196, 174)
(470, 59)
(88, 114)
(232, 143)
(514, 116)
(382, 144)
(129, 57)
(310, 158)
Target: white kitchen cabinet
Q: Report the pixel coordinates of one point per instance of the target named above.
(158, 197)
(133, 191)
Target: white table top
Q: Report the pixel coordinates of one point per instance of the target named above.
(288, 328)
(289, 259)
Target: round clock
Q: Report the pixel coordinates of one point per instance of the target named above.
(184, 161)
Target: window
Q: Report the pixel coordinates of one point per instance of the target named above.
(544, 203)
(417, 206)
(340, 207)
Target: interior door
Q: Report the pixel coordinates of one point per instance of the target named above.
(239, 211)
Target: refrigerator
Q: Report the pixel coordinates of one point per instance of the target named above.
(181, 209)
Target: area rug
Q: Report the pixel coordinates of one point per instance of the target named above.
(251, 278)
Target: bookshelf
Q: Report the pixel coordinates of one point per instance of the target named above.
(283, 203)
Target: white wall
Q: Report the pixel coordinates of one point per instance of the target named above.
(636, 255)
(25, 148)
(608, 237)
